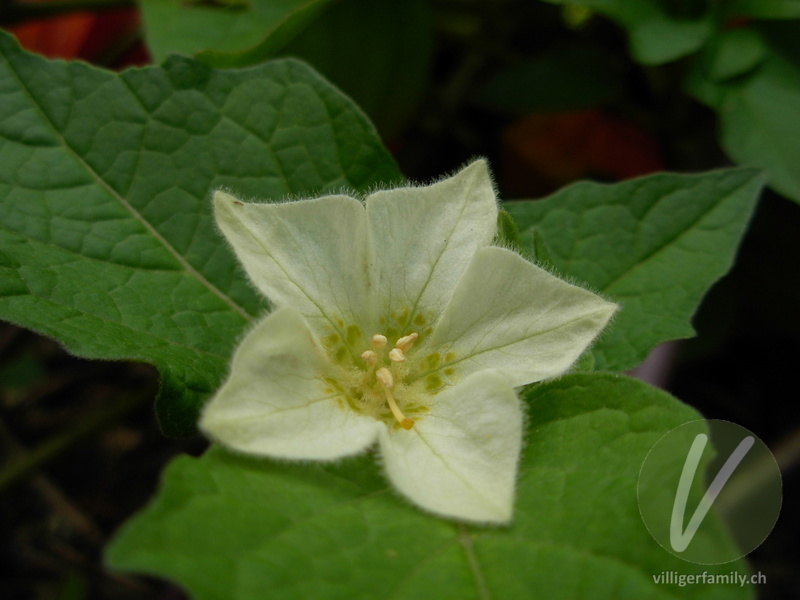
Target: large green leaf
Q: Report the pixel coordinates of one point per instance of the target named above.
(232, 528)
(107, 240)
(379, 53)
(658, 31)
(655, 245)
(759, 121)
(227, 32)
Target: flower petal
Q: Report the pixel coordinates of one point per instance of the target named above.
(309, 254)
(275, 402)
(460, 459)
(423, 238)
(510, 315)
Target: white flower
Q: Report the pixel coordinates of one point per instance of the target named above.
(395, 320)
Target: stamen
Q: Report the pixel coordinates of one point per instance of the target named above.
(397, 356)
(405, 342)
(369, 357)
(385, 377)
(378, 341)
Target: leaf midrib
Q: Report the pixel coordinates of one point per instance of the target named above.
(123, 202)
(166, 342)
(672, 241)
(574, 549)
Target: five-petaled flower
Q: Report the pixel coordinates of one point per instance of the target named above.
(396, 320)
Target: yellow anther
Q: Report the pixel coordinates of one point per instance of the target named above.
(397, 356)
(385, 377)
(378, 341)
(370, 357)
(405, 342)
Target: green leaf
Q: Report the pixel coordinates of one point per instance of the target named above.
(759, 123)
(585, 362)
(107, 239)
(761, 126)
(659, 31)
(733, 53)
(654, 244)
(229, 527)
(507, 232)
(224, 32)
(379, 53)
(541, 251)
(764, 9)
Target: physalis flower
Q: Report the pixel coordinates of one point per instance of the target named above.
(396, 321)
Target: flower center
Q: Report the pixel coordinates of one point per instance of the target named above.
(384, 376)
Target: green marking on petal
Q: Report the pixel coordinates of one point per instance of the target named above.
(402, 318)
(352, 397)
(333, 385)
(355, 402)
(341, 355)
(330, 341)
(354, 335)
(433, 382)
(431, 361)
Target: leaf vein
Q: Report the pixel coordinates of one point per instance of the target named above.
(124, 203)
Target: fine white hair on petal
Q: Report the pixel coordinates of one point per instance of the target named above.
(295, 255)
(432, 232)
(510, 315)
(275, 403)
(461, 460)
